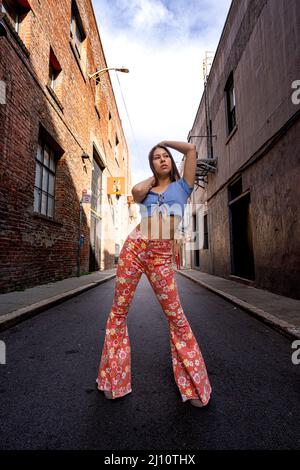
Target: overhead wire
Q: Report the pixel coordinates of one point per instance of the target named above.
(133, 134)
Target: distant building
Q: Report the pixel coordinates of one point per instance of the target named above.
(246, 207)
(61, 137)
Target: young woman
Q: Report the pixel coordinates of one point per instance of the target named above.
(149, 249)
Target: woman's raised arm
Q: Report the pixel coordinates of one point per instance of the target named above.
(140, 190)
(189, 150)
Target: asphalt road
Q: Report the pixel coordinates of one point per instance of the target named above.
(49, 397)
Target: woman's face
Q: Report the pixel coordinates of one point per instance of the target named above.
(161, 161)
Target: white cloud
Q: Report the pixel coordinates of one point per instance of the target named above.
(150, 13)
(163, 45)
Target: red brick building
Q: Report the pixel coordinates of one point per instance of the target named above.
(61, 134)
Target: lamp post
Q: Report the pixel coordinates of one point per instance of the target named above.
(97, 74)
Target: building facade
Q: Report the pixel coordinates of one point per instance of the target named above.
(61, 139)
(247, 128)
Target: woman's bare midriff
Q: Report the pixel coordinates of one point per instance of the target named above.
(159, 228)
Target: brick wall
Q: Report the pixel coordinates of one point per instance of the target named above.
(36, 248)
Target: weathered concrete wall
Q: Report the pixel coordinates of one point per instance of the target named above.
(275, 196)
(259, 45)
(262, 51)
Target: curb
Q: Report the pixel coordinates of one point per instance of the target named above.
(12, 318)
(281, 326)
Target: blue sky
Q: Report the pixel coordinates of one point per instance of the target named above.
(163, 44)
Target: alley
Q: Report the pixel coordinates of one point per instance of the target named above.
(49, 398)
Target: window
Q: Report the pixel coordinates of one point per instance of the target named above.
(55, 75)
(98, 96)
(117, 150)
(210, 149)
(77, 32)
(45, 166)
(230, 104)
(205, 233)
(97, 176)
(16, 11)
(77, 36)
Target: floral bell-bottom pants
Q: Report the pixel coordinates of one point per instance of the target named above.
(154, 258)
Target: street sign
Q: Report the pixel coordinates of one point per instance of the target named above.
(116, 185)
(86, 196)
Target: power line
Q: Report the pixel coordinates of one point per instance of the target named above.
(133, 135)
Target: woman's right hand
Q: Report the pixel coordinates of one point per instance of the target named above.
(140, 190)
(152, 181)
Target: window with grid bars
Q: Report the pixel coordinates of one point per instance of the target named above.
(76, 30)
(230, 104)
(44, 188)
(205, 233)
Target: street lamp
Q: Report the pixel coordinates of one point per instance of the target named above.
(97, 74)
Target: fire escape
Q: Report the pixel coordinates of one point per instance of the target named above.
(209, 164)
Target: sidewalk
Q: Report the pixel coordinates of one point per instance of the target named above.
(18, 305)
(279, 312)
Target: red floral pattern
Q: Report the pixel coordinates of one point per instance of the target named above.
(154, 258)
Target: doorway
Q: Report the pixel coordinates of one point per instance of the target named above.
(242, 256)
(96, 220)
(196, 241)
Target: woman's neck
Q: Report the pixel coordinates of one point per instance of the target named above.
(165, 181)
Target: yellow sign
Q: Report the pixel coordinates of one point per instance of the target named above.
(116, 185)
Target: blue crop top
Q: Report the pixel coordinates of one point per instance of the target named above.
(171, 201)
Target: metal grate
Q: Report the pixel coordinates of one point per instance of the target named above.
(205, 166)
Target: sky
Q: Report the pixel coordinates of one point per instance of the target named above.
(163, 44)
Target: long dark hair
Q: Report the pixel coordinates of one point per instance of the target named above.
(174, 173)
